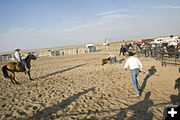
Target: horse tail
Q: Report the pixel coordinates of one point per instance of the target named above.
(4, 70)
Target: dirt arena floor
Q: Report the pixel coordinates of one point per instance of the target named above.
(76, 87)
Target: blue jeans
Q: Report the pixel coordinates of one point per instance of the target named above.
(154, 53)
(25, 65)
(112, 59)
(145, 52)
(24, 62)
(134, 74)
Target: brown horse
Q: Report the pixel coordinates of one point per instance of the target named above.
(10, 68)
(170, 50)
(124, 49)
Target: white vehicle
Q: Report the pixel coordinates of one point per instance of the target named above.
(158, 41)
(90, 48)
(170, 40)
(174, 41)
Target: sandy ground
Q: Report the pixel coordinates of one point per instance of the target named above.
(78, 87)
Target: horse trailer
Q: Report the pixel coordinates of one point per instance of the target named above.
(90, 48)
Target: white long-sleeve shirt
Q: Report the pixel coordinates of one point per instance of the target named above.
(17, 56)
(133, 63)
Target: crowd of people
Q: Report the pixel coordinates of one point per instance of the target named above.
(149, 50)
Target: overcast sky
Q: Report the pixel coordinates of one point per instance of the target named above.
(31, 24)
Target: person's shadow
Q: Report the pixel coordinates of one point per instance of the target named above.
(139, 110)
(175, 99)
(47, 112)
(59, 72)
(150, 72)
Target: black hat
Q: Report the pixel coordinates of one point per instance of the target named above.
(131, 54)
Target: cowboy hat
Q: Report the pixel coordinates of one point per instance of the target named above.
(131, 54)
(17, 49)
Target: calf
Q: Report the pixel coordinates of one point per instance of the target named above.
(104, 61)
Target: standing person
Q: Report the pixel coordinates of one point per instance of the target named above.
(153, 49)
(148, 49)
(18, 57)
(144, 48)
(135, 66)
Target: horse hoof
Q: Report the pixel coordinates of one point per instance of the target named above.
(18, 83)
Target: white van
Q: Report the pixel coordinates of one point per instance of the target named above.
(174, 41)
(158, 41)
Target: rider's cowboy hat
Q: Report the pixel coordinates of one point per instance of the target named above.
(131, 54)
(17, 49)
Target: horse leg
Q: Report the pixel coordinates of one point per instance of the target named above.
(120, 53)
(16, 82)
(10, 76)
(13, 78)
(29, 75)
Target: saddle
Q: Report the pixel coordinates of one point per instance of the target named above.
(21, 64)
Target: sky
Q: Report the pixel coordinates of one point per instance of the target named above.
(32, 24)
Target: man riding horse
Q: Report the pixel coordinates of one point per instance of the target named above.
(18, 57)
(10, 68)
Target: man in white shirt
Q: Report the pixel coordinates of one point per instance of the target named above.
(18, 57)
(135, 66)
